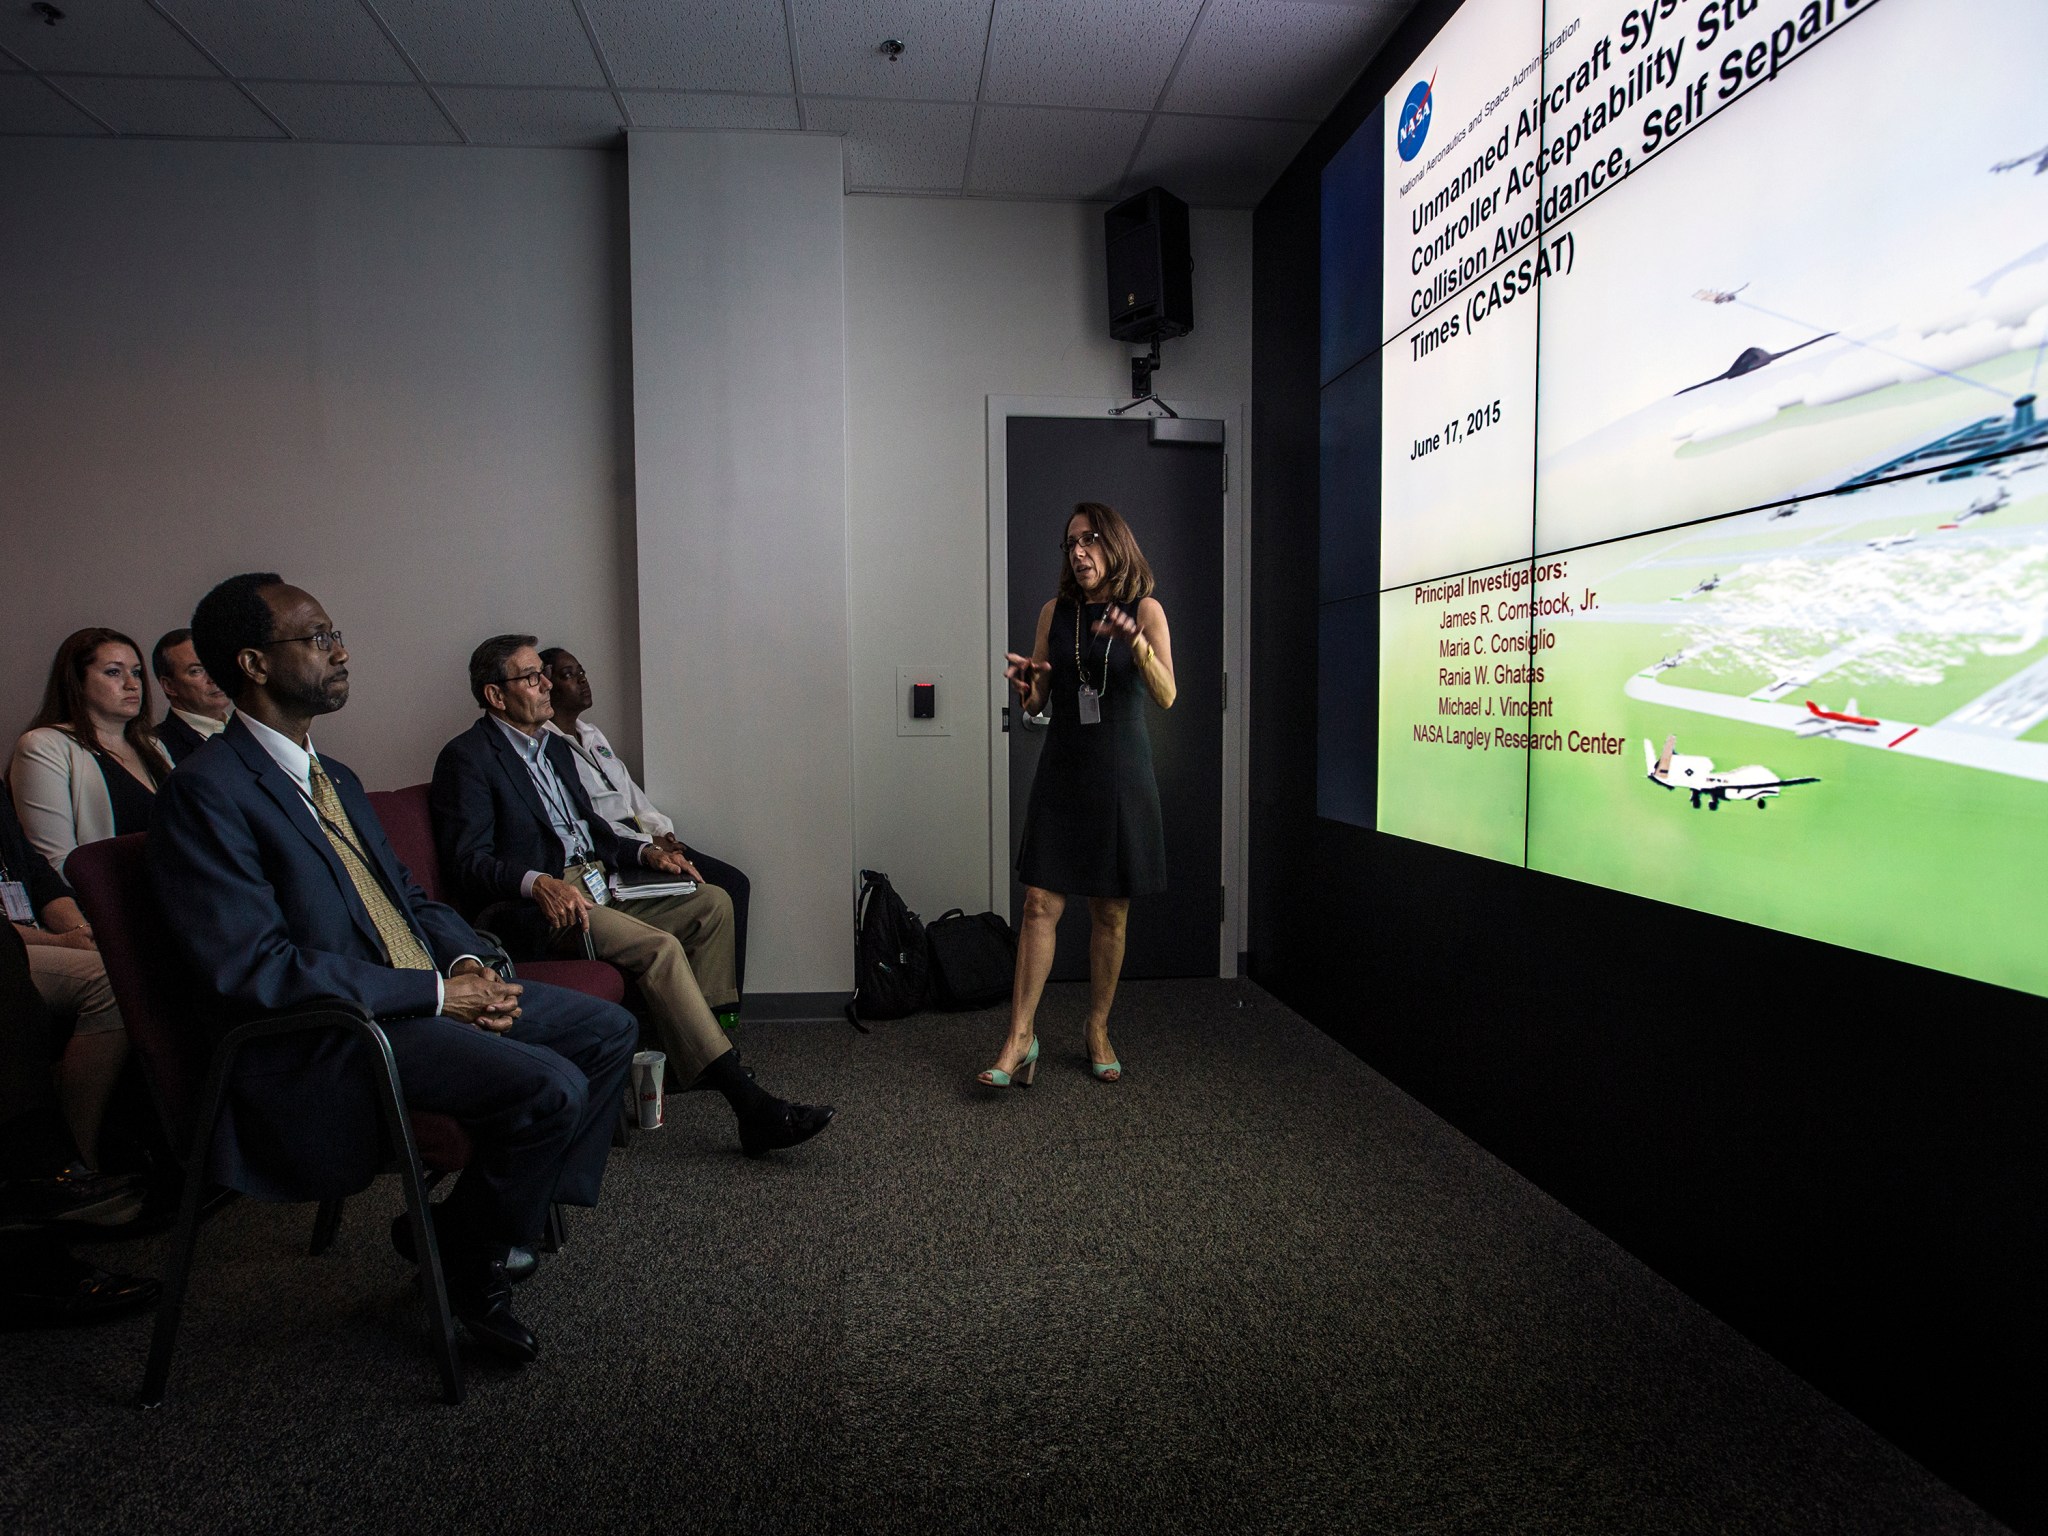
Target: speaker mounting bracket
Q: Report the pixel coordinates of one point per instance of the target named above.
(1142, 369)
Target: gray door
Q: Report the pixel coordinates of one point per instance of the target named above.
(1172, 496)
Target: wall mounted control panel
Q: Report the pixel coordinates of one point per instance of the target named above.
(922, 702)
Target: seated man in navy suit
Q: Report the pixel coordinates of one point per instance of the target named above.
(284, 891)
(516, 828)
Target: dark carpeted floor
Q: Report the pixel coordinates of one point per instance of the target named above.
(1251, 1288)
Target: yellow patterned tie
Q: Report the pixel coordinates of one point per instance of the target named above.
(400, 942)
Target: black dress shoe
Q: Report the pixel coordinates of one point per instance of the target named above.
(53, 1289)
(782, 1124)
(75, 1195)
(481, 1297)
(520, 1263)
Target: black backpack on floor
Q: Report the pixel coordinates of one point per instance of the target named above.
(973, 959)
(891, 965)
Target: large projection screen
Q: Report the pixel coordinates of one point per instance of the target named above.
(1684, 522)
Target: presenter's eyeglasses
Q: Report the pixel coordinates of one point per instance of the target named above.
(1087, 540)
(320, 640)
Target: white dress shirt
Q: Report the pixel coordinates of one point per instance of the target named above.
(205, 725)
(297, 762)
(613, 793)
(570, 829)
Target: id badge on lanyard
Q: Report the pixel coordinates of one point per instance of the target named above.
(591, 873)
(15, 893)
(1091, 706)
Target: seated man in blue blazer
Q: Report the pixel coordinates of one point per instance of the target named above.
(517, 833)
(284, 891)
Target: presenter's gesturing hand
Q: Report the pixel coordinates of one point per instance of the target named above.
(1151, 647)
(476, 996)
(1115, 621)
(562, 904)
(1027, 677)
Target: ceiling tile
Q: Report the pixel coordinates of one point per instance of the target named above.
(507, 42)
(356, 114)
(730, 45)
(898, 146)
(1216, 162)
(266, 40)
(29, 106)
(104, 37)
(1277, 58)
(676, 109)
(1085, 53)
(1047, 152)
(183, 109)
(569, 119)
(838, 44)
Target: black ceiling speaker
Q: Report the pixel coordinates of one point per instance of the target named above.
(1151, 276)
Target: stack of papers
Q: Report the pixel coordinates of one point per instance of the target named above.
(644, 884)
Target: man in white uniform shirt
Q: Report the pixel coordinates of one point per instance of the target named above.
(620, 800)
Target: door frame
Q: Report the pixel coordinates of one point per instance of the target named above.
(1230, 941)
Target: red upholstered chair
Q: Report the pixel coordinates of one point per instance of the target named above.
(173, 1025)
(410, 826)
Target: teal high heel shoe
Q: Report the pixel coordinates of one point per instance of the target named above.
(996, 1077)
(1107, 1071)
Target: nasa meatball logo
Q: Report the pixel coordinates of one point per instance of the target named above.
(1414, 124)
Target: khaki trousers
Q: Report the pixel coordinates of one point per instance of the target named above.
(74, 987)
(679, 951)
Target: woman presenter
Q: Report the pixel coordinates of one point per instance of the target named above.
(1092, 826)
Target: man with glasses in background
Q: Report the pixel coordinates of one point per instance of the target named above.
(516, 829)
(618, 798)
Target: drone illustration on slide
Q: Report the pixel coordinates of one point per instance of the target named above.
(1789, 624)
(1696, 776)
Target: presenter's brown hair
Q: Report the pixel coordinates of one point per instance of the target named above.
(1128, 576)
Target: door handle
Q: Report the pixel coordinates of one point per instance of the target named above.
(1006, 719)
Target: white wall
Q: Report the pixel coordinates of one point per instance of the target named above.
(394, 375)
(949, 302)
(405, 378)
(739, 378)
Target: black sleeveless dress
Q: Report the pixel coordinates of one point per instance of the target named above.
(129, 800)
(1092, 826)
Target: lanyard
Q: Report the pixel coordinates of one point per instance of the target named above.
(551, 791)
(1110, 640)
(354, 847)
(343, 833)
(590, 757)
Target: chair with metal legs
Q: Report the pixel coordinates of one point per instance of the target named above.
(170, 1027)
